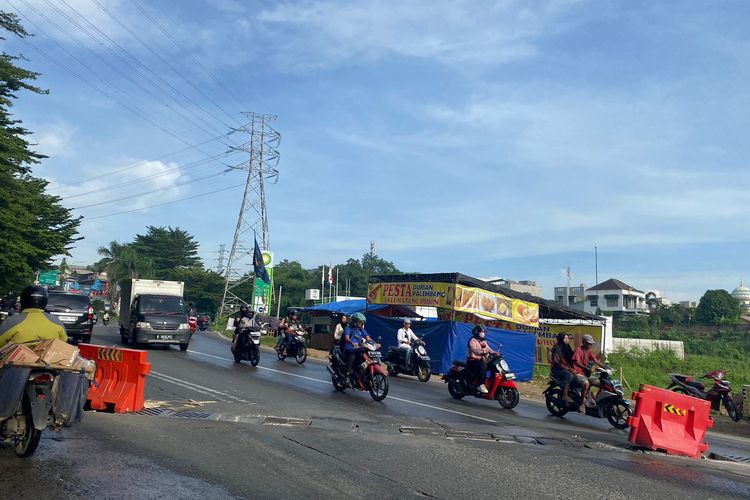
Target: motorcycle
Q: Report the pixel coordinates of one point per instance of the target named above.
(500, 382)
(296, 348)
(608, 402)
(34, 399)
(203, 323)
(247, 346)
(192, 323)
(105, 320)
(720, 392)
(368, 376)
(395, 361)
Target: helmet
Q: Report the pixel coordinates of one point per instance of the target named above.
(244, 309)
(477, 330)
(34, 296)
(588, 339)
(358, 316)
(407, 321)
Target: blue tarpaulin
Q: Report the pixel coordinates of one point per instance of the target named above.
(347, 307)
(448, 340)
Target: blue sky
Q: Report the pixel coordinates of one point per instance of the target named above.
(492, 138)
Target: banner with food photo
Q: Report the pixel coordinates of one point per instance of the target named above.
(495, 305)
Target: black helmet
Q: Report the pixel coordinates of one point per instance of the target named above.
(476, 330)
(34, 296)
(294, 313)
(244, 309)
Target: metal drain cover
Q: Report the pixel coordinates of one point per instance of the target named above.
(167, 412)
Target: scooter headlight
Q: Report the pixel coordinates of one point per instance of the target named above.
(504, 365)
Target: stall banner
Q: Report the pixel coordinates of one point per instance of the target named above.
(546, 333)
(455, 297)
(411, 294)
(496, 306)
(262, 291)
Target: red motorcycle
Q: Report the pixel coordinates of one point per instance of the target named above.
(500, 382)
(368, 376)
(192, 324)
(720, 392)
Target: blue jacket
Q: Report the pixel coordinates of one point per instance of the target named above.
(355, 335)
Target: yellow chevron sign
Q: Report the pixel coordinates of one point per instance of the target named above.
(110, 354)
(674, 410)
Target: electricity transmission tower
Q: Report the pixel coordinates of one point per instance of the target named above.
(220, 260)
(253, 218)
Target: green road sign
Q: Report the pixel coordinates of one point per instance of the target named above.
(48, 278)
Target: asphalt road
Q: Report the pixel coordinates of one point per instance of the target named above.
(280, 430)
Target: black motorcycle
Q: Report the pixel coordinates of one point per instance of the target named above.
(296, 348)
(203, 323)
(247, 346)
(608, 402)
(395, 361)
(34, 399)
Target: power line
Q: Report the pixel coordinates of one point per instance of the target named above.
(187, 166)
(185, 51)
(178, 184)
(125, 61)
(143, 162)
(165, 62)
(166, 202)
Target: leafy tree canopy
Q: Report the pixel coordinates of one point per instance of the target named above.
(167, 248)
(34, 225)
(717, 307)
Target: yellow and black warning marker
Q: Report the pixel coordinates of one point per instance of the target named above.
(110, 354)
(674, 410)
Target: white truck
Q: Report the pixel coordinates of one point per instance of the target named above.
(153, 312)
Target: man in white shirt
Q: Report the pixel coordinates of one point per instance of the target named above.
(404, 337)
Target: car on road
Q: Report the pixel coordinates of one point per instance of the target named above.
(75, 312)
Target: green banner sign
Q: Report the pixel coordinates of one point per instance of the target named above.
(48, 278)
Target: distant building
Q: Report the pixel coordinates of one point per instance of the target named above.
(742, 295)
(614, 296)
(688, 303)
(654, 300)
(576, 296)
(524, 286)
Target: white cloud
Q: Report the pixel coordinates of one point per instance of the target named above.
(317, 34)
(54, 138)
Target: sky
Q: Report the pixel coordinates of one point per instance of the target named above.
(505, 138)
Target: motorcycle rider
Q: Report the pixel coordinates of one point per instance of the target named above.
(477, 353)
(338, 332)
(354, 336)
(583, 357)
(561, 363)
(404, 336)
(288, 325)
(244, 320)
(105, 317)
(32, 323)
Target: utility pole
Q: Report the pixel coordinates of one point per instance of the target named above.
(220, 263)
(372, 248)
(253, 216)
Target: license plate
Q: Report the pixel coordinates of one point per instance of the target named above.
(68, 319)
(510, 376)
(164, 337)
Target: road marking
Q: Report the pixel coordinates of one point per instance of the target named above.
(196, 387)
(409, 401)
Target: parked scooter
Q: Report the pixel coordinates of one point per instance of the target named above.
(296, 349)
(395, 361)
(368, 375)
(34, 399)
(608, 402)
(720, 392)
(247, 346)
(500, 382)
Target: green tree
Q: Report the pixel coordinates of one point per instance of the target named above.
(123, 261)
(294, 280)
(717, 307)
(35, 227)
(168, 248)
(202, 287)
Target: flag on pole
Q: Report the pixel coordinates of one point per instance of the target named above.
(259, 266)
(330, 275)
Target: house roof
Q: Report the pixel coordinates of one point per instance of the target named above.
(614, 284)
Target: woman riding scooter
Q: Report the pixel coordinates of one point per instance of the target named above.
(477, 354)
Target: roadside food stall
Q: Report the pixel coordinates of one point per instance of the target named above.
(525, 326)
